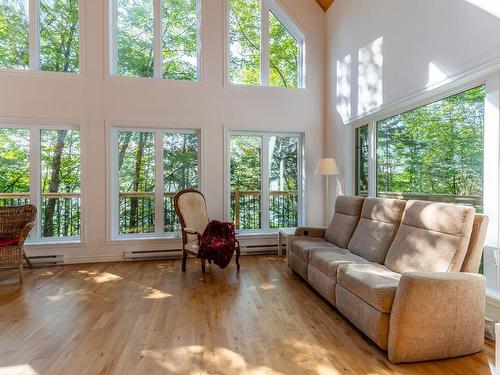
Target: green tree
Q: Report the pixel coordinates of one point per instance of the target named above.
(14, 37)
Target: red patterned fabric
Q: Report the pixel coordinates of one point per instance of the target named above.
(8, 242)
(217, 243)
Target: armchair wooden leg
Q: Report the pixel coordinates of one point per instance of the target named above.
(238, 257)
(30, 265)
(202, 261)
(184, 259)
(21, 271)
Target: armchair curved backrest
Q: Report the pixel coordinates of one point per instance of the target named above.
(191, 207)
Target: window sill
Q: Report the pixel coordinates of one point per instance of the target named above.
(54, 244)
(42, 73)
(156, 81)
(264, 87)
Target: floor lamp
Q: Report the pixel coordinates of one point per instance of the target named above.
(327, 167)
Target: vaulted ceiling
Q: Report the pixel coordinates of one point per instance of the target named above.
(325, 4)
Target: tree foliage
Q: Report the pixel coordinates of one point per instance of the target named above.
(136, 40)
(59, 35)
(245, 47)
(246, 180)
(435, 149)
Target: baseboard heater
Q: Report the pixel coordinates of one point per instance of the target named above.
(46, 260)
(259, 250)
(132, 256)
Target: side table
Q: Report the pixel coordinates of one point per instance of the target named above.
(286, 234)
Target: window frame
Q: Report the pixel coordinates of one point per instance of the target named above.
(265, 135)
(289, 23)
(112, 50)
(489, 77)
(34, 65)
(35, 192)
(113, 213)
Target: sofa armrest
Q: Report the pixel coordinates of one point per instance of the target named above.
(310, 232)
(436, 316)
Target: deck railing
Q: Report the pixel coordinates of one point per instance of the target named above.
(475, 201)
(246, 210)
(64, 209)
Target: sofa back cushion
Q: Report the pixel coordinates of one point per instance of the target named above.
(344, 221)
(432, 237)
(380, 219)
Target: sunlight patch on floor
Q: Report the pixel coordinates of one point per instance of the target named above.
(156, 294)
(18, 370)
(197, 359)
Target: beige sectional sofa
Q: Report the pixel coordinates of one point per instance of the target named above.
(404, 273)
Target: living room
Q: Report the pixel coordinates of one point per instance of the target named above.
(349, 151)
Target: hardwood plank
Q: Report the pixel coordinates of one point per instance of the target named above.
(150, 318)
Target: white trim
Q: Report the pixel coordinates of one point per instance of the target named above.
(34, 34)
(112, 185)
(111, 52)
(35, 127)
(278, 10)
(265, 160)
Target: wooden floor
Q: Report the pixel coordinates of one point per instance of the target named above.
(150, 318)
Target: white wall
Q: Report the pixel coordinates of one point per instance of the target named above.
(423, 42)
(93, 99)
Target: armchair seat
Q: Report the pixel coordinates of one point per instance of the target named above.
(192, 247)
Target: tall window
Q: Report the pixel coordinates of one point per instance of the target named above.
(265, 46)
(362, 161)
(48, 42)
(434, 152)
(149, 167)
(155, 39)
(53, 154)
(265, 180)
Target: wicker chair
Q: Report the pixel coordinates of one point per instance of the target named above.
(16, 223)
(191, 209)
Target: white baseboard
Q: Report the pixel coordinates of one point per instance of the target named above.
(93, 259)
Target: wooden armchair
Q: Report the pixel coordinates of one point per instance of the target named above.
(16, 223)
(191, 208)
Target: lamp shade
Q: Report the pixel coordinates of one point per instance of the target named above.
(327, 167)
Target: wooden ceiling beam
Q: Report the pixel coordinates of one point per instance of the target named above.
(325, 4)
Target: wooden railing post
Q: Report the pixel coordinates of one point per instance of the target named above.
(237, 208)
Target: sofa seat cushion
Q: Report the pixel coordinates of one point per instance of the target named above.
(344, 221)
(432, 237)
(380, 219)
(328, 260)
(373, 283)
(303, 246)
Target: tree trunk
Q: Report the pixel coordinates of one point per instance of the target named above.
(55, 181)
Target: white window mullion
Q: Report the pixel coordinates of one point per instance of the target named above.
(35, 185)
(159, 188)
(372, 159)
(158, 40)
(34, 34)
(265, 182)
(264, 43)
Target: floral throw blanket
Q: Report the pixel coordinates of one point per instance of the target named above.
(217, 243)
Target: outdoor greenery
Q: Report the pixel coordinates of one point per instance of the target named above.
(246, 180)
(245, 47)
(14, 36)
(434, 149)
(362, 161)
(59, 35)
(60, 173)
(59, 177)
(135, 37)
(136, 177)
